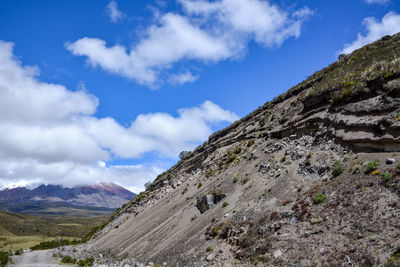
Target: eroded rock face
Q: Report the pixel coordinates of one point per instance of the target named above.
(271, 165)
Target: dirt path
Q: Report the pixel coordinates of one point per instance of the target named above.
(42, 258)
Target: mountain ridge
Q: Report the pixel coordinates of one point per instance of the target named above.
(103, 195)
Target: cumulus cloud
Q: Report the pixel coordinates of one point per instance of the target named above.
(377, 1)
(390, 24)
(205, 32)
(181, 78)
(113, 13)
(51, 134)
(267, 24)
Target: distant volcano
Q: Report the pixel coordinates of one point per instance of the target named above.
(103, 195)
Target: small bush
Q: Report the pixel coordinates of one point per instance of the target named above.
(250, 143)
(398, 117)
(210, 172)
(283, 159)
(225, 204)
(210, 249)
(245, 180)
(235, 180)
(68, 259)
(386, 177)
(319, 198)
(231, 157)
(337, 169)
(262, 122)
(371, 166)
(388, 75)
(199, 185)
(86, 262)
(256, 261)
(3, 258)
(55, 244)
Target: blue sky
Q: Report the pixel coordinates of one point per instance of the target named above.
(110, 76)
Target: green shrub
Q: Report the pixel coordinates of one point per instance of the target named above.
(371, 166)
(262, 122)
(388, 75)
(3, 258)
(210, 248)
(199, 185)
(210, 172)
(245, 180)
(283, 159)
(231, 157)
(256, 261)
(319, 198)
(225, 204)
(55, 244)
(250, 143)
(337, 169)
(86, 262)
(235, 180)
(237, 150)
(386, 176)
(68, 259)
(398, 166)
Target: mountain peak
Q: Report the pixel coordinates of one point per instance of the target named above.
(106, 195)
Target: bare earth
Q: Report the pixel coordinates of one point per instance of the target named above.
(42, 258)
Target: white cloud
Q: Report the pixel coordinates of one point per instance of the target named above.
(174, 40)
(382, 2)
(113, 12)
(50, 134)
(259, 20)
(206, 32)
(390, 24)
(26, 172)
(181, 78)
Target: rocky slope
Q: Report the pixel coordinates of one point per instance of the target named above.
(104, 195)
(308, 179)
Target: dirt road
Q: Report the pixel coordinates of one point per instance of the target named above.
(42, 258)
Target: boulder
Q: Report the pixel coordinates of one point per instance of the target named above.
(208, 201)
(390, 161)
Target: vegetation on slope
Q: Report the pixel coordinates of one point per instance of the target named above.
(19, 231)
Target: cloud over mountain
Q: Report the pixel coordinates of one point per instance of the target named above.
(51, 134)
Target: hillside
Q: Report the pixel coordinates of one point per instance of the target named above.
(308, 179)
(23, 231)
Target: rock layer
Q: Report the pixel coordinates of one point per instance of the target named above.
(283, 205)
